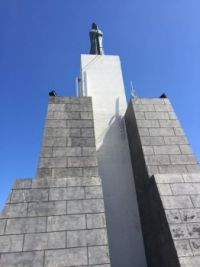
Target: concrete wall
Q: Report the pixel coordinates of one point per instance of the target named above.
(102, 80)
(58, 220)
(162, 161)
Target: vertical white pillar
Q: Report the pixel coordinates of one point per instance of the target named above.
(102, 79)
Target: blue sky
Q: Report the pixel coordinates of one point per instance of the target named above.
(41, 42)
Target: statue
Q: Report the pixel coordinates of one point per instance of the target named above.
(96, 40)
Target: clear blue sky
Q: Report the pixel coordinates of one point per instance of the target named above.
(41, 42)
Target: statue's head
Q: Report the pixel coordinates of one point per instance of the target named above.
(94, 26)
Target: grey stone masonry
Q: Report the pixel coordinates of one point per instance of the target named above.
(167, 180)
(68, 147)
(180, 198)
(59, 219)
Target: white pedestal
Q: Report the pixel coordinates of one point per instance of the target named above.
(102, 79)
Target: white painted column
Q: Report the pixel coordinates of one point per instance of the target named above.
(102, 79)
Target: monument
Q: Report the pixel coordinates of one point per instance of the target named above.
(115, 186)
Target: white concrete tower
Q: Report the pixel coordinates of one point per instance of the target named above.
(101, 78)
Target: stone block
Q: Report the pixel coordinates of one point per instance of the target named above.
(82, 161)
(58, 115)
(194, 230)
(96, 220)
(66, 193)
(66, 222)
(30, 259)
(182, 159)
(53, 162)
(48, 182)
(88, 151)
(156, 115)
(14, 210)
(56, 132)
(82, 142)
(87, 132)
(46, 152)
(183, 248)
(148, 150)
(166, 150)
(140, 107)
(186, 149)
(152, 170)
(172, 115)
(191, 177)
(157, 159)
(66, 257)
(176, 202)
(175, 140)
(150, 101)
(190, 215)
(161, 132)
(85, 100)
(162, 108)
(147, 123)
(93, 192)
(173, 216)
(25, 225)
(57, 123)
(195, 244)
(66, 172)
(179, 231)
(98, 255)
(143, 131)
(90, 171)
(66, 151)
(192, 261)
(139, 115)
(42, 241)
(168, 178)
(28, 195)
(85, 181)
(85, 206)
(193, 168)
(2, 226)
(44, 172)
(54, 141)
(164, 189)
(11, 243)
(56, 107)
(86, 116)
(172, 169)
(80, 123)
(169, 123)
(152, 140)
(22, 183)
(179, 132)
(73, 132)
(196, 201)
(73, 107)
(47, 208)
(185, 188)
(84, 238)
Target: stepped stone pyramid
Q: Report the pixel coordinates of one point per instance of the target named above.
(96, 152)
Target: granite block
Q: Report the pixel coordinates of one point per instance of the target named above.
(26, 225)
(66, 193)
(96, 220)
(84, 238)
(42, 241)
(66, 257)
(85, 206)
(47, 208)
(66, 222)
(11, 243)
